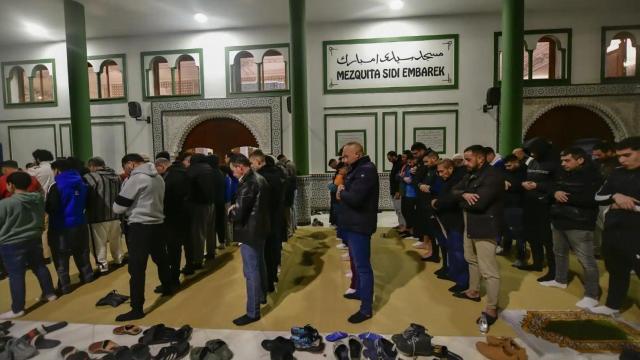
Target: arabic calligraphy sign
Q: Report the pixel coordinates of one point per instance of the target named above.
(391, 64)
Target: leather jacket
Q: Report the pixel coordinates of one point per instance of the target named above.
(250, 212)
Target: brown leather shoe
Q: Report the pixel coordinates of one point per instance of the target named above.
(498, 348)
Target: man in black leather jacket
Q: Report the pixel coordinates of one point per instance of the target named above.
(541, 171)
(481, 196)
(573, 218)
(251, 226)
(359, 219)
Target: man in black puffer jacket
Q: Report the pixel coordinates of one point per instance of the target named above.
(201, 207)
(359, 219)
(573, 219)
(541, 171)
(251, 226)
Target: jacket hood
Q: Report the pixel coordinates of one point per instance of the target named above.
(147, 169)
(539, 148)
(32, 198)
(68, 178)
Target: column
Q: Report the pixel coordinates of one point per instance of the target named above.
(78, 80)
(299, 115)
(512, 63)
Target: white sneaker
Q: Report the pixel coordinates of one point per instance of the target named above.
(103, 268)
(499, 249)
(349, 274)
(587, 303)
(48, 298)
(553, 283)
(419, 245)
(350, 291)
(11, 315)
(342, 246)
(604, 310)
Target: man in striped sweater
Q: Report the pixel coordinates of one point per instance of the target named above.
(104, 186)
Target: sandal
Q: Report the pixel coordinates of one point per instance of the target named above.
(127, 330)
(103, 347)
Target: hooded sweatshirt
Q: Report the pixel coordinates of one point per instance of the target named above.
(104, 186)
(21, 218)
(67, 201)
(141, 198)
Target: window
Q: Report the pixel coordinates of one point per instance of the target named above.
(172, 73)
(547, 57)
(257, 70)
(621, 56)
(29, 83)
(111, 81)
(107, 78)
(93, 82)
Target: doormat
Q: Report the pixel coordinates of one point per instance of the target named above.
(582, 331)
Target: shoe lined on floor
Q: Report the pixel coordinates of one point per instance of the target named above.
(587, 303)
(336, 336)
(355, 347)
(604, 310)
(112, 299)
(501, 349)
(414, 341)
(307, 339)
(553, 283)
(380, 349)
(280, 348)
(341, 351)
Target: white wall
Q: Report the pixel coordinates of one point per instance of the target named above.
(475, 71)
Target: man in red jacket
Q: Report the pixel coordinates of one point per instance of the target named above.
(8, 168)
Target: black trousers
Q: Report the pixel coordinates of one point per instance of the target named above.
(177, 235)
(67, 243)
(620, 250)
(332, 214)
(537, 232)
(145, 240)
(220, 223)
(408, 208)
(201, 226)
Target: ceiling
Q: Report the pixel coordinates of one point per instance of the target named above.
(108, 18)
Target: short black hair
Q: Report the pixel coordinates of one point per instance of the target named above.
(76, 164)
(407, 153)
(240, 159)
(489, 150)
(340, 165)
(198, 158)
(42, 155)
(281, 156)
(511, 158)
(132, 157)
(575, 152)
(430, 153)
(21, 180)
(62, 165)
(164, 155)
(392, 153)
(269, 160)
(632, 143)
(96, 161)
(9, 164)
(418, 146)
(213, 160)
(229, 154)
(476, 150)
(332, 161)
(183, 155)
(604, 146)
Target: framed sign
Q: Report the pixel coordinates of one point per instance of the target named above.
(415, 63)
(433, 137)
(346, 136)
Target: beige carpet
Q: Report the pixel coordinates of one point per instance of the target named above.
(310, 291)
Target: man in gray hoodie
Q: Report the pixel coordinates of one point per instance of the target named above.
(141, 199)
(21, 225)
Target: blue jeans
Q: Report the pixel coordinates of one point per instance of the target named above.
(17, 258)
(252, 269)
(360, 246)
(458, 267)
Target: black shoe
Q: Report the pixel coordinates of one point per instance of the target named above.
(3, 275)
(457, 288)
(442, 271)
(444, 277)
(358, 318)
(463, 295)
(548, 277)
(531, 267)
(352, 296)
(188, 270)
(210, 257)
(245, 320)
(432, 258)
(414, 341)
(131, 315)
(160, 289)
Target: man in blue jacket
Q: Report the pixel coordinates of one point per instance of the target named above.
(359, 219)
(68, 233)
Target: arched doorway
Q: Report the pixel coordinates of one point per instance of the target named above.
(564, 125)
(221, 135)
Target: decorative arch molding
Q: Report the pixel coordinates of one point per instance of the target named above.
(533, 112)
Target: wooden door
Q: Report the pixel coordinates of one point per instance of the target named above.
(566, 124)
(221, 135)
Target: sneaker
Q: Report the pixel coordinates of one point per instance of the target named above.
(11, 315)
(553, 283)
(419, 245)
(307, 339)
(103, 268)
(587, 303)
(342, 246)
(414, 341)
(604, 310)
(350, 291)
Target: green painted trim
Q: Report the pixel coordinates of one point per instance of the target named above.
(603, 59)
(145, 75)
(68, 126)
(567, 53)
(125, 79)
(227, 70)
(335, 135)
(30, 104)
(443, 128)
(404, 123)
(326, 135)
(52, 126)
(61, 118)
(384, 137)
(298, 85)
(389, 106)
(456, 62)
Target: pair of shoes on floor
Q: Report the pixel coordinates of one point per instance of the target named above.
(414, 341)
(349, 349)
(307, 338)
(137, 352)
(161, 334)
(501, 348)
(279, 348)
(18, 349)
(215, 349)
(113, 298)
(379, 349)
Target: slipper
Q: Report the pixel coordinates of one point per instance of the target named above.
(80, 355)
(53, 327)
(215, 349)
(122, 353)
(341, 351)
(369, 335)
(355, 348)
(160, 334)
(29, 336)
(335, 336)
(103, 347)
(173, 352)
(127, 330)
(68, 350)
(41, 343)
(112, 299)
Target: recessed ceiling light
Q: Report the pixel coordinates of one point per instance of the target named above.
(200, 17)
(35, 29)
(396, 4)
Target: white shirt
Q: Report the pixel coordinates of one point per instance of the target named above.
(44, 174)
